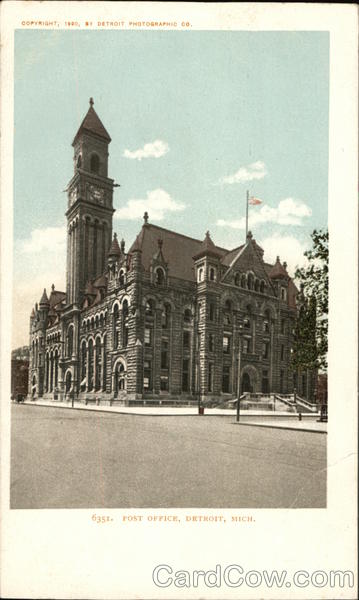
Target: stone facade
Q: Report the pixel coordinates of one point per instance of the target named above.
(173, 317)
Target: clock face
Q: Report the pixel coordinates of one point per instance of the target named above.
(96, 194)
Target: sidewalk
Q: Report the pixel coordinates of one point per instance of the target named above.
(281, 420)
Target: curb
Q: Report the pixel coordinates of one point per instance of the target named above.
(285, 427)
(118, 412)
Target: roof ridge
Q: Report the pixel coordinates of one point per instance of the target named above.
(188, 237)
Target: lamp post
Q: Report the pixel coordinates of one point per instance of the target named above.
(239, 373)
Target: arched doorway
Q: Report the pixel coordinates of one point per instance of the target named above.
(68, 382)
(119, 379)
(246, 383)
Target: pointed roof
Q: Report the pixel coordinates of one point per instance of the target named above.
(158, 256)
(89, 289)
(278, 271)
(92, 124)
(115, 248)
(32, 316)
(207, 247)
(44, 299)
(101, 281)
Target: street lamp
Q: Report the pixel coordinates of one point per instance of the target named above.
(239, 373)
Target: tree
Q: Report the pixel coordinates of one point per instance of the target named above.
(312, 326)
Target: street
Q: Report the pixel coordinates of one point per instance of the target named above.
(62, 458)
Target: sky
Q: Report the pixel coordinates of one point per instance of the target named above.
(196, 119)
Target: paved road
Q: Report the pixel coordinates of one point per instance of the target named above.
(65, 458)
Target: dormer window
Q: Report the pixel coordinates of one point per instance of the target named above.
(212, 274)
(95, 163)
(283, 293)
(160, 276)
(200, 274)
(243, 281)
(250, 281)
(237, 279)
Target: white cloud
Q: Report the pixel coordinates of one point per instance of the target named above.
(256, 170)
(154, 149)
(288, 212)
(49, 239)
(157, 203)
(288, 248)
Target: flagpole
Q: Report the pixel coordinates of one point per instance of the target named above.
(247, 215)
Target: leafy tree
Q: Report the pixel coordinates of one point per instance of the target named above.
(312, 326)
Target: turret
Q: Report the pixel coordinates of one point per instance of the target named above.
(207, 260)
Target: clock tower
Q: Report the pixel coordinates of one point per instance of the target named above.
(90, 207)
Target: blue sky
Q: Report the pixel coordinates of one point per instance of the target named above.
(196, 119)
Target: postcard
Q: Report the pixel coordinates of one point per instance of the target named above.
(179, 300)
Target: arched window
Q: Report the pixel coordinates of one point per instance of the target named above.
(98, 364)
(243, 281)
(115, 331)
(250, 281)
(262, 287)
(227, 315)
(90, 366)
(149, 308)
(200, 274)
(95, 163)
(79, 161)
(83, 365)
(122, 277)
(160, 276)
(125, 323)
(237, 279)
(120, 378)
(104, 363)
(187, 315)
(212, 274)
(47, 372)
(70, 341)
(266, 322)
(166, 316)
(247, 318)
(256, 285)
(97, 321)
(56, 368)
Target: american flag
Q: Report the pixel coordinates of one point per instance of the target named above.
(254, 201)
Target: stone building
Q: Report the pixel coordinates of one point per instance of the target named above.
(171, 317)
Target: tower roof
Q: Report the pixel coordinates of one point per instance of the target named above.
(44, 299)
(207, 247)
(115, 248)
(278, 271)
(92, 124)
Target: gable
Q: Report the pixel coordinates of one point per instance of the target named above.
(248, 258)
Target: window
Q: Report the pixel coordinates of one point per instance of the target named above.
(148, 336)
(149, 308)
(266, 326)
(125, 336)
(226, 344)
(247, 345)
(226, 379)
(243, 281)
(211, 342)
(250, 281)
(262, 287)
(164, 355)
(185, 375)
(237, 279)
(266, 350)
(282, 326)
(70, 341)
(186, 339)
(210, 377)
(200, 274)
(211, 312)
(164, 383)
(256, 285)
(79, 161)
(166, 315)
(147, 376)
(187, 316)
(122, 277)
(283, 293)
(95, 163)
(282, 352)
(212, 274)
(115, 332)
(160, 276)
(247, 322)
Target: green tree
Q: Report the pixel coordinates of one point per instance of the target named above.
(312, 326)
